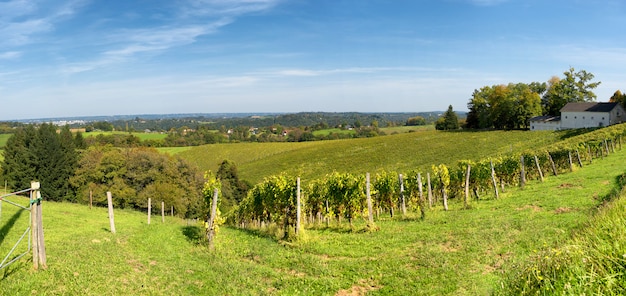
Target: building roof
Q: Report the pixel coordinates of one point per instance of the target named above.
(547, 118)
(588, 107)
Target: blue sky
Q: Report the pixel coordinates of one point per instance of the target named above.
(62, 58)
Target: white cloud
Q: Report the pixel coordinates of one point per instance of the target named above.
(10, 55)
(227, 7)
(21, 20)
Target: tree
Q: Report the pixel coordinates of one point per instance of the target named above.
(234, 190)
(618, 97)
(41, 155)
(449, 121)
(575, 87)
(504, 106)
(417, 120)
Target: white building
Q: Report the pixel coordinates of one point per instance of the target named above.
(581, 115)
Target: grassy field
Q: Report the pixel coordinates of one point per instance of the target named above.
(401, 152)
(407, 129)
(329, 131)
(459, 252)
(142, 136)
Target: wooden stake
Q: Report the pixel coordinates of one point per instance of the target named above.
(149, 209)
(42, 246)
(569, 157)
(552, 163)
(33, 230)
(402, 202)
(539, 168)
(580, 162)
(522, 173)
(90, 199)
(111, 218)
(369, 199)
(467, 179)
(162, 212)
(298, 213)
(589, 153)
(211, 222)
(493, 179)
(430, 191)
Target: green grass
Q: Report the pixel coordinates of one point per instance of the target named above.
(459, 252)
(401, 152)
(407, 129)
(329, 131)
(141, 136)
(173, 150)
(3, 139)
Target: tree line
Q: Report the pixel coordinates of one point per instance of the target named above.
(511, 106)
(69, 170)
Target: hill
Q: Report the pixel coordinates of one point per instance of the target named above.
(400, 152)
(458, 252)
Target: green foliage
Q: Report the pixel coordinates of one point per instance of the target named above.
(449, 121)
(386, 188)
(272, 201)
(233, 189)
(417, 120)
(574, 87)
(618, 97)
(133, 175)
(346, 194)
(41, 155)
(504, 106)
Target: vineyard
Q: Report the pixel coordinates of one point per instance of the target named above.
(400, 152)
(341, 196)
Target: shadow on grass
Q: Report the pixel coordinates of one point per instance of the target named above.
(194, 234)
(575, 132)
(618, 187)
(256, 232)
(5, 229)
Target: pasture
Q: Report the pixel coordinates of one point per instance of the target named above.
(141, 136)
(400, 152)
(458, 252)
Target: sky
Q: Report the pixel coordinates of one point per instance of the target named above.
(68, 58)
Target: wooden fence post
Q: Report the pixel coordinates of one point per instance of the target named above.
(589, 153)
(430, 191)
(493, 179)
(211, 222)
(111, 218)
(539, 168)
(552, 163)
(402, 201)
(162, 212)
(149, 209)
(522, 173)
(90, 199)
(422, 202)
(298, 213)
(33, 224)
(569, 158)
(467, 179)
(580, 162)
(370, 215)
(172, 212)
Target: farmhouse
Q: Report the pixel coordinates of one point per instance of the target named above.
(581, 115)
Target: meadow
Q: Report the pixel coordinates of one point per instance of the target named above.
(399, 152)
(458, 252)
(141, 136)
